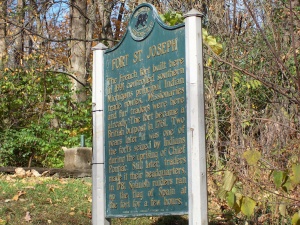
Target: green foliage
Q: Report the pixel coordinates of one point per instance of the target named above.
(247, 206)
(212, 42)
(249, 120)
(229, 180)
(38, 117)
(287, 180)
(172, 18)
(283, 209)
(296, 218)
(252, 156)
(279, 177)
(295, 177)
(249, 84)
(237, 201)
(233, 201)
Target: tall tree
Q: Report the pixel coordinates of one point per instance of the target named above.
(90, 28)
(19, 35)
(78, 48)
(105, 9)
(3, 46)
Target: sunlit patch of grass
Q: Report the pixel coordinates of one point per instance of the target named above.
(50, 200)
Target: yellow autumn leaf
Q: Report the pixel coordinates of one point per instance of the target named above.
(229, 180)
(2, 222)
(83, 129)
(73, 133)
(217, 48)
(209, 62)
(296, 218)
(210, 40)
(282, 209)
(89, 80)
(248, 206)
(252, 156)
(204, 33)
(49, 200)
(295, 177)
(17, 196)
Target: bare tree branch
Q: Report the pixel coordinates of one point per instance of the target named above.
(70, 75)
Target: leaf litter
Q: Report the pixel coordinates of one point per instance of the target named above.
(31, 197)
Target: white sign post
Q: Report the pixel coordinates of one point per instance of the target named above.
(195, 120)
(98, 176)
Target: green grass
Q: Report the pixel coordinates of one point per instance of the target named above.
(57, 201)
(48, 201)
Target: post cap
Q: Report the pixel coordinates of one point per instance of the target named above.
(99, 46)
(193, 12)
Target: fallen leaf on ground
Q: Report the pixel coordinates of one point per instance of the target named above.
(20, 172)
(30, 187)
(28, 173)
(17, 196)
(63, 181)
(51, 189)
(89, 214)
(27, 217)
(35, 173)
(88, 184)
(45, 173)
(90, 199)
(8, 178)
(49, 200)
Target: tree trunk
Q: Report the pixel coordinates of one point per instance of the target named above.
(215, 118)
(105, 8)
(91, 12)
(118, 24)
(78, 48)
(3, 46)
(36, 26)
(294, 23)
(19, 40)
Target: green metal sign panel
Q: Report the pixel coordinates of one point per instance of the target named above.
(145, 119)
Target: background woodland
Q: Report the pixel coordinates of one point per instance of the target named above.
(252, 84)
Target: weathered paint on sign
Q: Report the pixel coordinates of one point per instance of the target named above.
(145, 119)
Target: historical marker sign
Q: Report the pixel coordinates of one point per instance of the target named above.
(146, 119)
